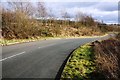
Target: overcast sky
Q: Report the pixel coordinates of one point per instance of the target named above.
(106, 11)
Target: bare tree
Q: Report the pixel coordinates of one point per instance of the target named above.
(51, 16)
(16, 20)
(42, 12)
(24, 7)
(80, 16)
(65, 15)
(84, 19)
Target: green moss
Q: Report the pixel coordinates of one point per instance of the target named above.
(80, 63)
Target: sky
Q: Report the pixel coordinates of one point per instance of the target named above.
(102, 10)
(106, 11)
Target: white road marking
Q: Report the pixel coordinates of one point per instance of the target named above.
(12, 56)
(46, 46)
(23, 53)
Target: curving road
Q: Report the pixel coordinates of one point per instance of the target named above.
(40, 59)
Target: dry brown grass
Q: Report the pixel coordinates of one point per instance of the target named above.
(118, 36)
(107, 54)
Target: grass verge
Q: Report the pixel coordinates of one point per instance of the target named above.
(5, 42)
(80, 64)
(99, 60)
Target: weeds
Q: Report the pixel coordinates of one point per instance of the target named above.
(80, 64)
(96, 61)
(107, 54)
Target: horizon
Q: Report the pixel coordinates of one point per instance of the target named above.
(102, 11)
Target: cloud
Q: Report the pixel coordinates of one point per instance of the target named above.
(79, 0)
(106, 11)
(107, 6)
(60, 0)
(106, 16)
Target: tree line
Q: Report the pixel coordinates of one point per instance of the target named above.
(23, 20)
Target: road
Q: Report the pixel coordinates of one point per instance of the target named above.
(40, 59)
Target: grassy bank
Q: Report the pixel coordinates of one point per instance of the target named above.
(4, 42)
(99, 60)
(80, 64)
(107, 58)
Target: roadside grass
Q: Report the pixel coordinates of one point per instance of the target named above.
(80, 64)
(13, 41)
(99, 60)
(4, 42)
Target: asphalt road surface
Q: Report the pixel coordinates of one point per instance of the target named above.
(40, 59)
